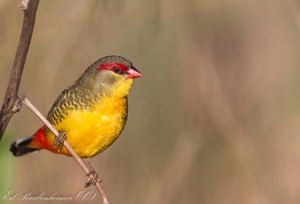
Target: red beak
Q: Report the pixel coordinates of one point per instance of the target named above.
(133, 73)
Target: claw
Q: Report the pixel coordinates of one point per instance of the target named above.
(60, 139)
(92, 180)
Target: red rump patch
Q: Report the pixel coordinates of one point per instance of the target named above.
(39, 140)
(109, 66)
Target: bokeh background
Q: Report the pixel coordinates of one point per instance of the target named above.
(214, 120)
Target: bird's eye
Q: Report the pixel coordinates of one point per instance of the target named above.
(117, 70)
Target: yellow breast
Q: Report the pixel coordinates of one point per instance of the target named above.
(91, 131)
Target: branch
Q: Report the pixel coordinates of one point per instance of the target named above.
(12, 103)
(8, 108)
(84, 164)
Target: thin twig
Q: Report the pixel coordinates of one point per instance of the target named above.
(11, 95)
(12, 103)
(83, 163)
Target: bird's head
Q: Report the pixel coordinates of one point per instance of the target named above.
(110, 75)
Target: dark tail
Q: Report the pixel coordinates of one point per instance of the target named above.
(20, 147)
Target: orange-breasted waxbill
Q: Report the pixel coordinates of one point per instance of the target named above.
(92, 111)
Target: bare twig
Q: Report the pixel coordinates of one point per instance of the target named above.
(84, 164)
(12, 103)
(11, 95)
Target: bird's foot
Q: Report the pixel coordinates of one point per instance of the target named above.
(93, 179)
(59, 140)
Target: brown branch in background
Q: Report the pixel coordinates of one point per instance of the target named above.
(12, 103)
(84, 164)
(29, 8)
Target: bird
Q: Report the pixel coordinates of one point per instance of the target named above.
(92, 112)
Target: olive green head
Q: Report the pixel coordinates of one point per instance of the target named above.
(110, 75)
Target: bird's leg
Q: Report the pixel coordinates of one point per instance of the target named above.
(94, 178)
(59, 140)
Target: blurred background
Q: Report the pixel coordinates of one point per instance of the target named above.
(215, 119)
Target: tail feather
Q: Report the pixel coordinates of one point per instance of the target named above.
(20, 147)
